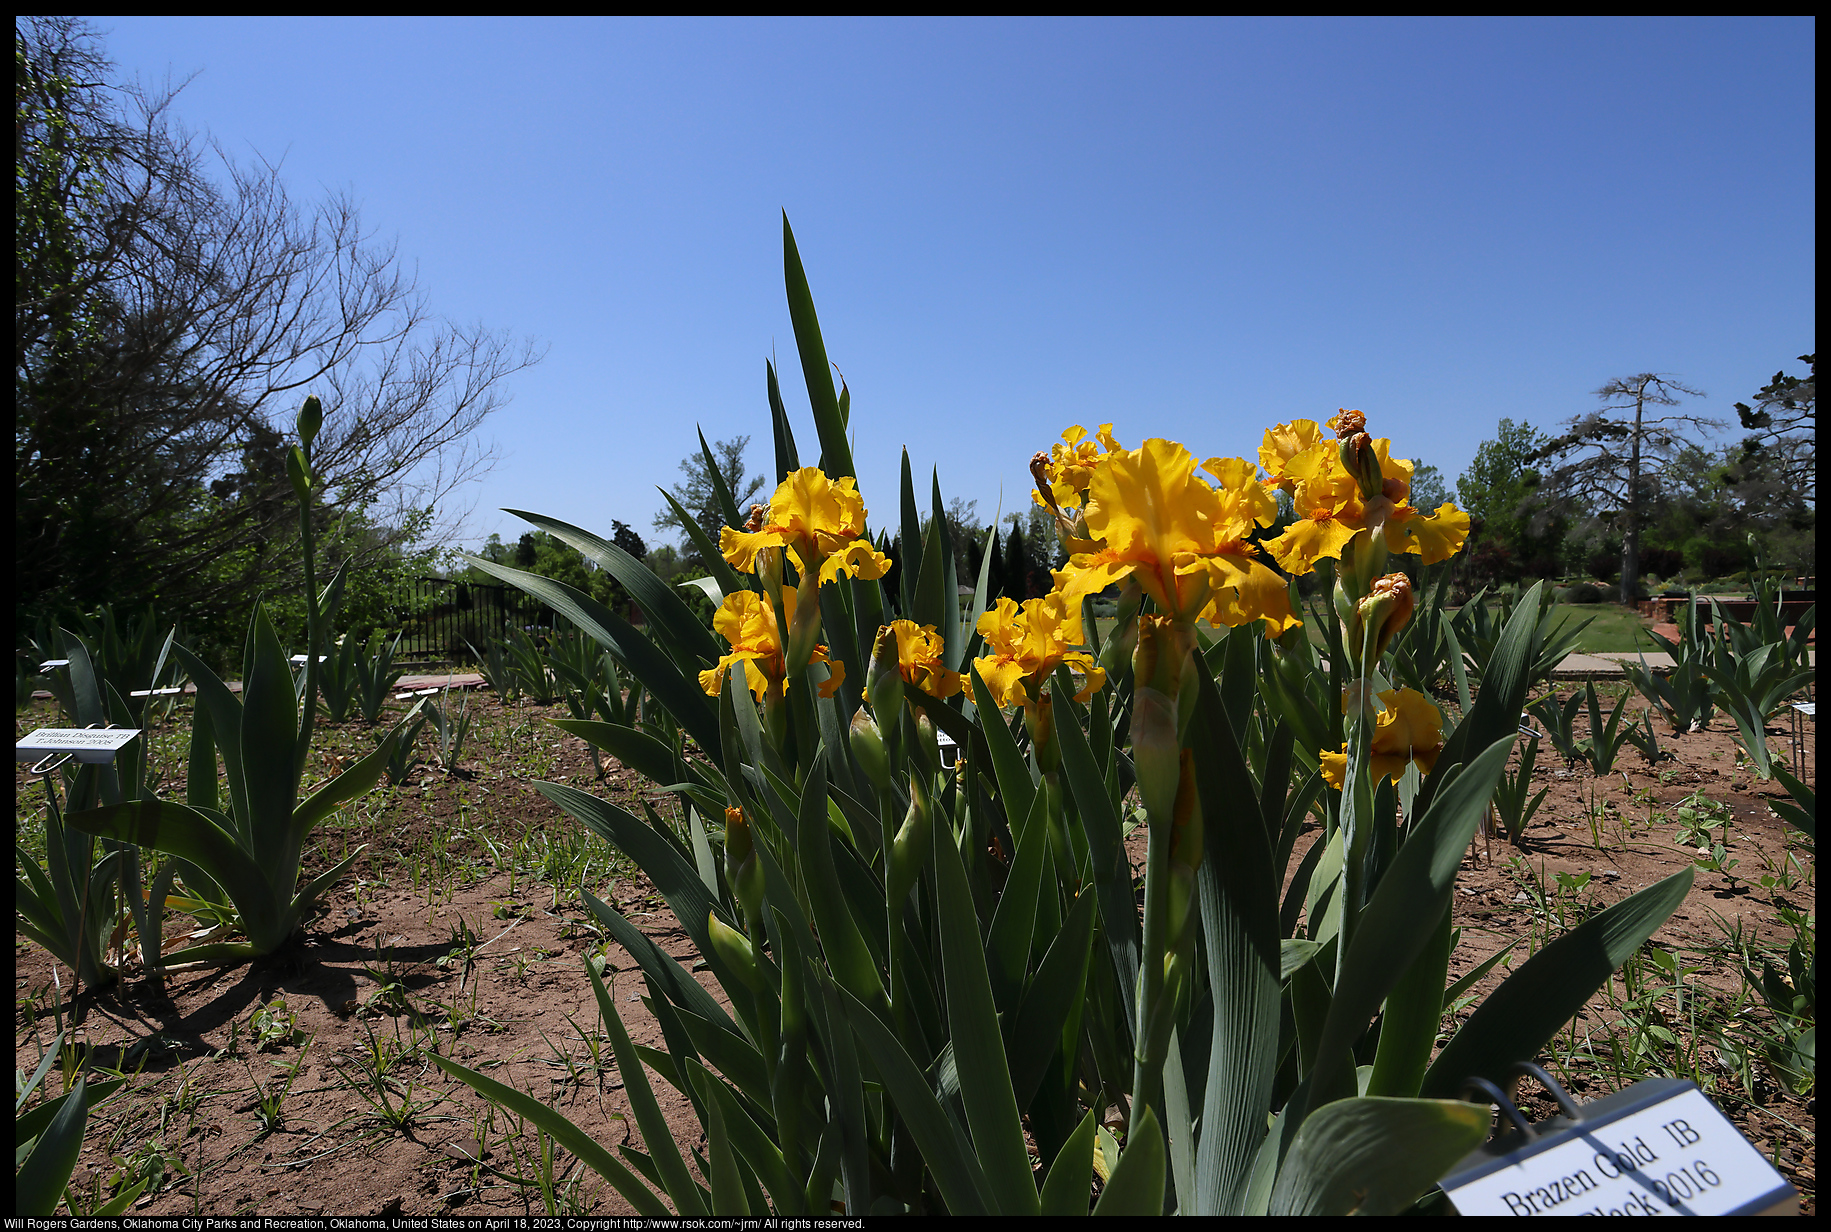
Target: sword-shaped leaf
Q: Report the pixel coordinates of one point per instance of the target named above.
(667, 613)
(985, 1077)
(1374, 1156)
(1517, 1019)
(835, 450)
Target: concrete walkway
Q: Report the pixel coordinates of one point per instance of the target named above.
(456, 680)
(1608, 665)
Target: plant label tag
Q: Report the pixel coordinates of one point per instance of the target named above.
(93, 746)
(156, 692)
(1661, 1147)
(950, 751)
(299, 660)
(48, 664)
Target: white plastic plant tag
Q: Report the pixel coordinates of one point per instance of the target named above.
(299, 660)
(93, 746)
(1661, 1147)
(48, 664)
(156, 692)
(950, 751)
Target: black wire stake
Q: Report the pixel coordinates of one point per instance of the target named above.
(1492, 1094)
(1526, 1069)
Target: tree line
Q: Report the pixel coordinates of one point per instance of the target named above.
(1635, 493)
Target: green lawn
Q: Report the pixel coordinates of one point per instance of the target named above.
(1611, 628)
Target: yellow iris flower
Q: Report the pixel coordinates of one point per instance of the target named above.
(1028, 643)
(1284, 442)
(821, 519)
(1331, 507)
(748, 621)
(1069, 466)
(1408, 729)
(1155, 520)
(919, 651)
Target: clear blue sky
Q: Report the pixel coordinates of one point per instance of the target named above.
(1188, 228)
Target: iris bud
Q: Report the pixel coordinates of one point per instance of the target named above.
(742, 871)
(1157, 677)
(1359, 460)
(868, 749)
(928, 741)
(1385, 611)
(909, 851)
(804, 632)
(736, 950)
(1045, 490)
(884, 681)
(1040, 719)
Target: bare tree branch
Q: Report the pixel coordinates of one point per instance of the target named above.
(173, 306)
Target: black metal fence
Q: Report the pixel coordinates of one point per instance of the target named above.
(447, 618)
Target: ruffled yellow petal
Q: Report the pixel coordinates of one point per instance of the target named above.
(919, 651)
(1436, 536)
(814, 516)
(1004, 680)
(740, 547)
(1387, 765)
(1321, 487)
(747, 620)
(857, 559)
(1245, 590)
(1093, 675)
(1089, 573)
(1305, 542)
(1028, 644)
(1285, 442)
(1409, 729)
(755, 677)
(1069, 467)
(997, 624)
(1334, 767)
(1232, 472)
(712, 680)
(1392, 468)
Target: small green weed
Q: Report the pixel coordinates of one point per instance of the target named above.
(272, 1026)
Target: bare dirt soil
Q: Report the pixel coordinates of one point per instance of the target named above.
(461, 933)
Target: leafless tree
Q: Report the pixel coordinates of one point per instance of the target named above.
(173, 307)
(1613, 461)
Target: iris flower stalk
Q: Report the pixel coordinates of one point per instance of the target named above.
(1146, 518)
(1354, 500)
